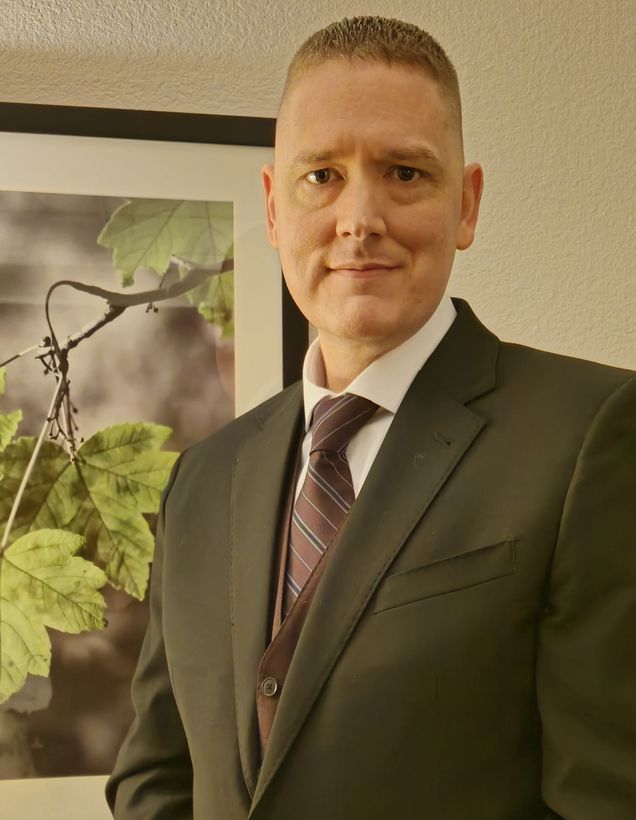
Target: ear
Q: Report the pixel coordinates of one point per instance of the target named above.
(473, 186)
(267, 177)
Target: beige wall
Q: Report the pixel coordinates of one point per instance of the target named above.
(549, 111)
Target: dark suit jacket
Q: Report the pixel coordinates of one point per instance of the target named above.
(470, 652)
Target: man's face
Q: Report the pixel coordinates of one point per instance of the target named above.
(368, 200)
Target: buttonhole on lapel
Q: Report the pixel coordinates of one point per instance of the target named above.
(442, 439)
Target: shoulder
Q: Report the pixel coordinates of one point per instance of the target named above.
(568, 386)
(543, 364)
(519, 362)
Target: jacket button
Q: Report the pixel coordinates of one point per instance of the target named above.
(269, 687)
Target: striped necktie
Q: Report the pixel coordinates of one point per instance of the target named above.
(327, 492)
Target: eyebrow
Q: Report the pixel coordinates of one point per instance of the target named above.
(416, 153)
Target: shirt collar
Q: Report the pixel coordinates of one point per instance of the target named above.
(386, 380)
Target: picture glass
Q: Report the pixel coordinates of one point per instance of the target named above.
(125, 216)
(171, 365)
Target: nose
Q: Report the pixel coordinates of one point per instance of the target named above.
(360, 210)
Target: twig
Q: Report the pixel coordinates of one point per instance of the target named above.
(55, 356)
(123, 300)
(111, 312)
(45, 343)
(28, 471)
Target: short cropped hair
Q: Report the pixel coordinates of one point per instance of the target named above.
(379, 39)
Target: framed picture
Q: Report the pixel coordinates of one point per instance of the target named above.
(70, 178)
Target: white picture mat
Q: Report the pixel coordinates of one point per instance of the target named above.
(100, 166)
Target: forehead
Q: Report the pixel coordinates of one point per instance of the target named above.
(342, 105)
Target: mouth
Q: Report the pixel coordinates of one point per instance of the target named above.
(363, 271)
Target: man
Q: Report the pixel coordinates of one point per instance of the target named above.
(461, 645)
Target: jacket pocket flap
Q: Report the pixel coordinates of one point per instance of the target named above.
(447, 575)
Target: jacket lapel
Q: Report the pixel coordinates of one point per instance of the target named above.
(431, 432)
(261, 477)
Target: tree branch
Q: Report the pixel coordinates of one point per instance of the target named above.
(111, 312)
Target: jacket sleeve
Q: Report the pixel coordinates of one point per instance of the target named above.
(152, 778)
(586, 664)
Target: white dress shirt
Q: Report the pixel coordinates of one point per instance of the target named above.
(385, 382)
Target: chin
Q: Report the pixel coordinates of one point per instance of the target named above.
(365, 329)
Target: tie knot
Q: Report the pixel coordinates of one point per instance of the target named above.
(337, 420)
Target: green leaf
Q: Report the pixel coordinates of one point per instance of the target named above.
(118, 475)
(43, 583)
(221, 310)
(8, 427)
(8, 422)
(214, 300)
(147, 233)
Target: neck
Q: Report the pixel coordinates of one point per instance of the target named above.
(344, 360)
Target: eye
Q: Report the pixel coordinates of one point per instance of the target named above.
(320, 176)
(406, 173)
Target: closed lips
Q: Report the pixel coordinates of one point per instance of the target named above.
(366, 266)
